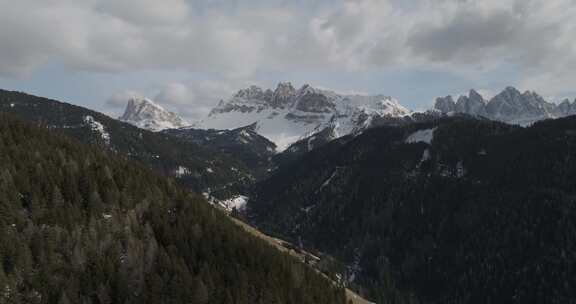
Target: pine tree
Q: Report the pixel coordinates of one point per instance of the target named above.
(200, 294)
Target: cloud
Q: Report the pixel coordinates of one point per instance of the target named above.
(195, 99)
(119, 99)
(192, 100)
(488, 33)
(146, 12)
(236, 40)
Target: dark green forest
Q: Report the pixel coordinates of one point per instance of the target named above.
(485, 213)
(79, 224)
(243, 144)
(163, 153)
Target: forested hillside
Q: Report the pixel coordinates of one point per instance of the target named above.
(243, 144)
(197, 167)
(452, 211)
(82, 225)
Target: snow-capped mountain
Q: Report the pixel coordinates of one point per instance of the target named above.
(146, 114)
(287, 114)
(509, 106)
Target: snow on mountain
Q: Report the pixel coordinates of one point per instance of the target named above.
(425, 136)
(238, 202)
(145, 114)
(97, 127)
(509, 106)
(286, 114)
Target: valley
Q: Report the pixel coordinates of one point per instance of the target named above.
(287, 152)
(387, 209)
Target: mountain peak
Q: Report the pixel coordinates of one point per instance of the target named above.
(307, 89)
(146, 114)
(511, 91)
(283, 95)
(285, 86)
(138, 105)
(445, 104)
(510, 106)
(252, 92)
(287, 114)
(473, 94)
(138, 101)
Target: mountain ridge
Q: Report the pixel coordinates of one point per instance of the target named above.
(287, 114)
(510, 106)
(447, 211)
(186, 161)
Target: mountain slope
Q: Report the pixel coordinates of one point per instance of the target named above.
(243, 144)
(146, 114)
(286, 114)
(80, 225)
(456, 210)
(509, 106)
(329, 134)
(199, 168)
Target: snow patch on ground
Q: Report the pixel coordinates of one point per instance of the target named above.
(310, 146)
(209, 198)
(425, 136)
(328, 180)
(425, 156)
(181, 171)
(281, 131)
(97, 127)
(245, 134)
(460, 170)
(238, 202)
(307, 209)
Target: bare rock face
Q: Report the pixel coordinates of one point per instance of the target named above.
(313, 101)
(287, 114)
(146, 114)
(283, 95)
(510, 106)
(445, 104)
(473, 104)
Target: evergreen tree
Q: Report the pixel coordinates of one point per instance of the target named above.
(79, 224)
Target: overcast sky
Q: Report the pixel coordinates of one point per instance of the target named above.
(188, 54)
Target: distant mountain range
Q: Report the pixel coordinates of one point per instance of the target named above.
(510, 106)
(284, 115)
(289, 116)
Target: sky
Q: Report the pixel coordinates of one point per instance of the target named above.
(189, 54)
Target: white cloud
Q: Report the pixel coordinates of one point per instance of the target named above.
(192, 100)
(195, 99)
(146, 12)
(120, 99)
(237, 39)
